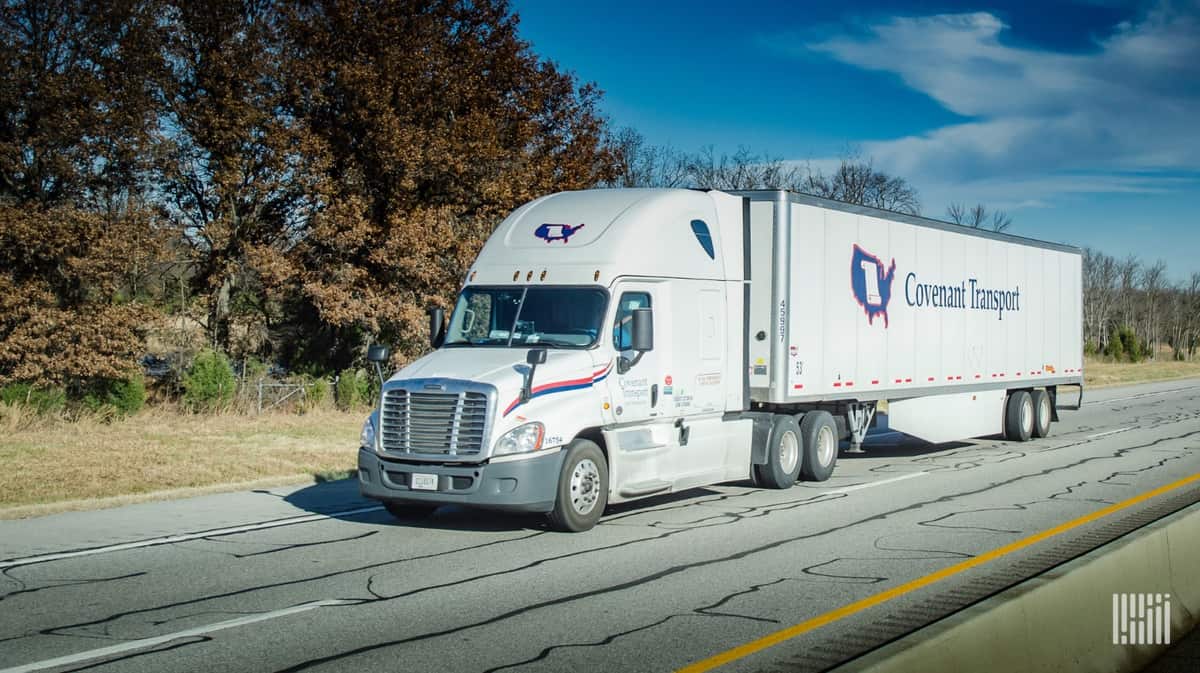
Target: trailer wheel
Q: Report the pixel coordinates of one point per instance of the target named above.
(1019, 416)
(820, 436)
(582, 488)
(783, 454)
(1041, 413)
(409, 510)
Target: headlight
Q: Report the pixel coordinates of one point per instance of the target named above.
(521, 439)
(366, 438)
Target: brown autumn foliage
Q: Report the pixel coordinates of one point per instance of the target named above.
(436, 121)
(74, 114)
(317, 172)
(237, 173)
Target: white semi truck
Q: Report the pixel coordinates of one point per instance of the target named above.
(609, 345)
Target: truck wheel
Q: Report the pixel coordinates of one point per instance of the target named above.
(783, 454)
(1018, 417)
(1041, 413)
(409, 510)
(582, 488)
(820, 436)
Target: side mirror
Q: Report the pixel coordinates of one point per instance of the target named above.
(535, 357)
(437, 326)
(642, 330)
(641, 338)
(378, 355)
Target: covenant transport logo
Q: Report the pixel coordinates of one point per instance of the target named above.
(872, 287)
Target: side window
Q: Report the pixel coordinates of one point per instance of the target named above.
(622, 327)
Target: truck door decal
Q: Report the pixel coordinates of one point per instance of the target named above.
(563, 386)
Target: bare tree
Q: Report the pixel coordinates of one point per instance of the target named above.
(857, 181)
(978, 217)
(643, 165)
(1154, 283)
(1100, 292)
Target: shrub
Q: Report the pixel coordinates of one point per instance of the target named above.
(1134, 349)
(317, 391)
(1115, 348)
(1089, 347)
(253, 369)
(210, 383)
(122, 396)
(354, 389)
(40, 400)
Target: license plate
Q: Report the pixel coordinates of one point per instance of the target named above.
(424, 482)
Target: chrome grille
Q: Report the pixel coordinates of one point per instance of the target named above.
(449, 423)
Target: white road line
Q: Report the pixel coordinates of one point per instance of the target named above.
(145, 643)
(869, 484)
(172, 539)
(1139, 396)
(1110, 432)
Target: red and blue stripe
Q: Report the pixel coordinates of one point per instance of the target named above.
(563, 386)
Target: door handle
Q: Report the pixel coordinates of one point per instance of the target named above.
(653, 395)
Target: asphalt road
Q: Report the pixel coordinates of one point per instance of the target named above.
(317, 579)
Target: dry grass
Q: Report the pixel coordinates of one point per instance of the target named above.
(1097, 373)
(59, 461)
(49, 465)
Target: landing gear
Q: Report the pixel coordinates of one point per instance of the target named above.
(858, 420)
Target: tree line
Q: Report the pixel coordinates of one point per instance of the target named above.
(295, 180)
(1131, 309)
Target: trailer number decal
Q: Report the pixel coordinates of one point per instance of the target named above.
(871, 285)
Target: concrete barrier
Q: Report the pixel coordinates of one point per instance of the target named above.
(1061, 620)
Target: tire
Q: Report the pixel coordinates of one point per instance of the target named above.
(820, 438)
(1041, 413)
(783, 454)
(409, 510)
(1019, 416)
(582, 488)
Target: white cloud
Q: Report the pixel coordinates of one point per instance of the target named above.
(1042, 123)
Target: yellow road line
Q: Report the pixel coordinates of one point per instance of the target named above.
(790, 632)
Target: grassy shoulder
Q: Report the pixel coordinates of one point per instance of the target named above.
(51, 465)
(1099, 373)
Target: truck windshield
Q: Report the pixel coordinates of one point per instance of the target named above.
(557, 317)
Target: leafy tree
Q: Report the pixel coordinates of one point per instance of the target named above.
(436, 120)
(235, 169)
(75, 114)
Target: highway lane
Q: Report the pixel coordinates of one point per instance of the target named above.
(657, 585)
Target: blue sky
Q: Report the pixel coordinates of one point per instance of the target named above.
(1080, 119)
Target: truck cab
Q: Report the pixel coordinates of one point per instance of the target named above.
(592, 356)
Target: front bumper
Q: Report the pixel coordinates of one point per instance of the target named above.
(529, 485)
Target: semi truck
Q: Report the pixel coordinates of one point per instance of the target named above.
(615, 344)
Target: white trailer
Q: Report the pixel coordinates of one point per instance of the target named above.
(609, 345)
